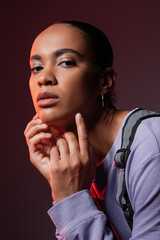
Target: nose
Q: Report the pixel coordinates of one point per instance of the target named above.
(46, 78)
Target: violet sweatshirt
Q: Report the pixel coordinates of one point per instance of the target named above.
(77, 217)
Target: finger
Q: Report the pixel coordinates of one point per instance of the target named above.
(54, 157)
(56, 132)
(82, 134)
(35, 117)
(35, 129)
(63, 148)
(47, 142)
(31, 124)
(38, 139)
(72, 142)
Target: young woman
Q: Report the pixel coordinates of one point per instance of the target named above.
(72, 87)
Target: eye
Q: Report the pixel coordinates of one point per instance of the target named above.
(68, 63)
(36, 69)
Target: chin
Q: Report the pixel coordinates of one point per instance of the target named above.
(50, 118)
(47, 117)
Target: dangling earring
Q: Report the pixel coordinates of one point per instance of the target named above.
(102, 96)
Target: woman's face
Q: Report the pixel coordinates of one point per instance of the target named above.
(63, 77)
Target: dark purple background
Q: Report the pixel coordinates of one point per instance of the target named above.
(133, 28)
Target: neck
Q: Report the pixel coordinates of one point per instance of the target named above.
(102, 130)
(103, 134)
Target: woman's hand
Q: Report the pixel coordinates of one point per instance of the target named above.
(39, 145)
(72, 166)
(69, 166)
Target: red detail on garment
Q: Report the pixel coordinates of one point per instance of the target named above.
(94, 196)
(114, 231)
(97, 195)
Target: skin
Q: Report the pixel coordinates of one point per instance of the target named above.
(70, 82)
(69, 166)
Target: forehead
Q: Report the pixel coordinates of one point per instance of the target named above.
(60, 36)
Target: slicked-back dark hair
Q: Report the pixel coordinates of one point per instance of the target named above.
(99, 41)
(102, 48)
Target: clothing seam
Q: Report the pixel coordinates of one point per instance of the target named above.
(147, 160)
(139, 169)
(146, 124)
(84, 220)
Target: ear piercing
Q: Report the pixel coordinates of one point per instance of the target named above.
(102, 97)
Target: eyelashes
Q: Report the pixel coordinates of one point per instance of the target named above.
(67, 63)
(36, 69)
(63, 64)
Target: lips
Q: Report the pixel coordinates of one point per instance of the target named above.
(47, 99)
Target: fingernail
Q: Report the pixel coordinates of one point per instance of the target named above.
(49, 135)
(43, 125)
(39, 120)
(78, 116)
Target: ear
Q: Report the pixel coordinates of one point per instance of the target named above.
(107, 80)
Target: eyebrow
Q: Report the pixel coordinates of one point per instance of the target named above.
(35, 57)
(62, 51)
(57, 53)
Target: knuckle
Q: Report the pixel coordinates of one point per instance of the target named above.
(59, 169)
(86, 158)
(38, 128)
(64, 168)
(42, 135)
(54, 168)
(30, 141)
(53, 150)
(32, 160)
(84, 136)
(26, 135)
(86, 163)
(61, 141)
(75, 164)
(26, 129)
(69, 135)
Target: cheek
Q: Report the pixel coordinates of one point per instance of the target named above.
(79, 93)
(31, 87)
(74, 92)
(32, 90)
(81, 83)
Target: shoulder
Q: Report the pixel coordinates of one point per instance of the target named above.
(152, 125)
(145, 150)
(147, 134)
(142, 178)
(147, 137)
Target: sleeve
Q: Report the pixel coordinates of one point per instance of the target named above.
(77, 217)
(144, 188)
